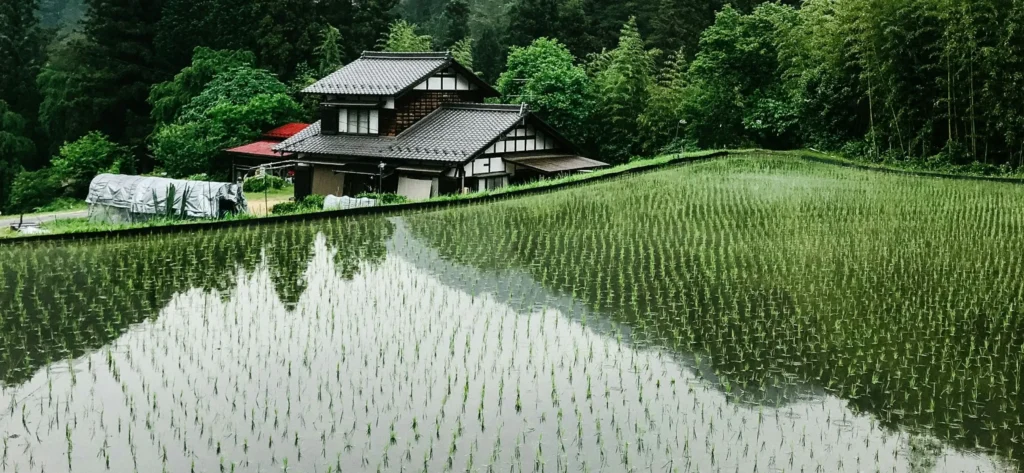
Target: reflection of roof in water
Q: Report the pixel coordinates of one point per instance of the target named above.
(530, 295)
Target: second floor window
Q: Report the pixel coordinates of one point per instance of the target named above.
(359, 121)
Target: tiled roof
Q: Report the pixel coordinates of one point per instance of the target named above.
(452, 133)
(381, 74)
(285, 131)
(552, 163)
(259, 148)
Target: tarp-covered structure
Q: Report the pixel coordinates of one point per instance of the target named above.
(115, 198)
(345, 202)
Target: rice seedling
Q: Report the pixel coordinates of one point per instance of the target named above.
(749, 314)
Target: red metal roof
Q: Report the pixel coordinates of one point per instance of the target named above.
(286, 131)
(259, 148)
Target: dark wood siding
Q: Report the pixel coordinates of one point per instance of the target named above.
(417, 104)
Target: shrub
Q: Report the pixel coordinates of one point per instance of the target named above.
(61, 204)
(35, 189)
(262, 183)
(384, 199)
(81, 160)
(312, 203)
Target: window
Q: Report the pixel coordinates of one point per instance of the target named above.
(489, 183)
(361, 121)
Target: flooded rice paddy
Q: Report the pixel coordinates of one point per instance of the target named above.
(749, 314)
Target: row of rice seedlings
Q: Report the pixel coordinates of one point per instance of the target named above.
(707, 323)
(899, 294)
(353, 377)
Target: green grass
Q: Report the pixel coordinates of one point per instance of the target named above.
(63, 204)
(84, 225)
(632, 166)
(287, 191)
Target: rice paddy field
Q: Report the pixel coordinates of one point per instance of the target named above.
(755, 313)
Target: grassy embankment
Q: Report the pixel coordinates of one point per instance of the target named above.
(260, 205)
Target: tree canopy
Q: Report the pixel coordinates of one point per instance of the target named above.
(234, 107)
(403, 38)
(546, 76)
(16, 149)
(932, 82)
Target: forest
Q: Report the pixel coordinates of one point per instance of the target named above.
(140, 86)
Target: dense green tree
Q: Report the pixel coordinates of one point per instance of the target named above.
(70, 104)
(532, 19)
(662, 121)
(425, 12)
(604, 20)
(679, 23)
(328, 53)
(168, 98)
(21, 55)
(455, 23)
(823, 77)
(1004, 90)
(235, 107)
(120, 65)
(340, 14)
(286, 34)
(80, 161)
(371, 23)
(735, 95)
(16, 149)
(403, 38)
(893, 79)
(572, 30)
(185, 25)
(488, 32)
(34, 189)
(235, 86)
(623, 80)
(545, 75)
(462, 51)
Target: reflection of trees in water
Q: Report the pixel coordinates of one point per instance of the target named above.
(62, 299)
(734, 310)
(354, 241)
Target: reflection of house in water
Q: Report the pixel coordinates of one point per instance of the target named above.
(415, 124)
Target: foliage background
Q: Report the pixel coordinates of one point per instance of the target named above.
(925, 83)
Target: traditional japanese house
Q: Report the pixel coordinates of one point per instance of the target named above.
(416, 124)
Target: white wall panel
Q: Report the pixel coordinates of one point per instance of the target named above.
(497, 165)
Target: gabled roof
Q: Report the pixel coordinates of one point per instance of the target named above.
(453, 133)
(285, 131)
(387, 74)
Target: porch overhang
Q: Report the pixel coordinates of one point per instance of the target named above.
(556, 163)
